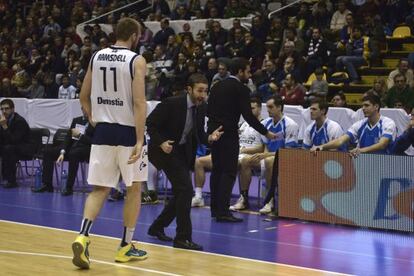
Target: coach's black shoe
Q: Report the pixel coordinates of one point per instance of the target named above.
(10, 185)
(187, 244)
(67, 192)
(43, 189)
(159, 234)
(228, 218)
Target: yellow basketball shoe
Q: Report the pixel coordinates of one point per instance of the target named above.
(80, 252)
(129, 252)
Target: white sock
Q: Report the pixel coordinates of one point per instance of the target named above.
(127, 237)
(199, 192)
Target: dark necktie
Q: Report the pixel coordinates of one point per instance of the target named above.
(194, 117)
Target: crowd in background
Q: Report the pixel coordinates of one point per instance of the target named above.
(42, 56)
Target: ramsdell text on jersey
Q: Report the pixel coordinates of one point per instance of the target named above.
(111, 57)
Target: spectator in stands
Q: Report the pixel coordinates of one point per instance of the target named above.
(236, 26)
(14, 141)
(5, 71)
(51, 88)
(87, 43)
(260, 28)
(379, 88)
(103, 43)
(161, 37)
(69, 46)
(236, 45)
(146, 37)
(275, 36)
(222, 74)
(289, 51)
(164, 69)
(403, 69)
(338, 20)
(172, 49)
(98, 34)
(319, 87)
(289, 67)
(250, 143)
(400, 93)
(186, 32)
(291, 35)
(211, 69)
(21, 79)
(161, 7)
(7, 90)
(354, 56)
(321, 15)
(287, 131)
(304, 17)
(234, 9)
(339, 100)
(218, 38)
(187, 47)
(253, 50)
(181, 70)
(199, 57)
(316, 52)
(76, 148)
(370, 7)
(36, 90)
(373, 134)
(406, 140)
(374, 29)
(346, 31)
(322, 130)
(66, 90)
(267, 73)
(292, 92)
(180, 13)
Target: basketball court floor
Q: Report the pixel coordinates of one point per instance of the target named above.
(36, 232)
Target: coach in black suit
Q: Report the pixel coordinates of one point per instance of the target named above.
(229, 99)
(175, 127)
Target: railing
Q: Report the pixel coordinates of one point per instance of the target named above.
(282, 8)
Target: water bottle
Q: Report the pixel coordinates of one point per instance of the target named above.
(38, 178)
(64, 179)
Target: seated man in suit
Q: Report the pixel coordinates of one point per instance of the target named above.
(76, 148)
(14, 141)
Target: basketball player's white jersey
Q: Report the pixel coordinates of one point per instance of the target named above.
(112, 74)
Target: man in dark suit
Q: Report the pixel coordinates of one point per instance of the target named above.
(228, 100)
(14, 141)
(76, 148)
(175, 127)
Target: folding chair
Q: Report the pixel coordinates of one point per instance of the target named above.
(39, 139)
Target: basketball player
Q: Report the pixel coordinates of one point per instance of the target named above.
(113, 97)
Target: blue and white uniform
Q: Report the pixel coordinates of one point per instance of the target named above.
(329, 131)
(287, 133)
(364, 135)
(113, 111)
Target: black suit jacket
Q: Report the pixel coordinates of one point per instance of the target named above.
(85, 140)
(228, 100)
(17, 133)
(166, 122)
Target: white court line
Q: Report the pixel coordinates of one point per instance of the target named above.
(96, 261)
(196, 252)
